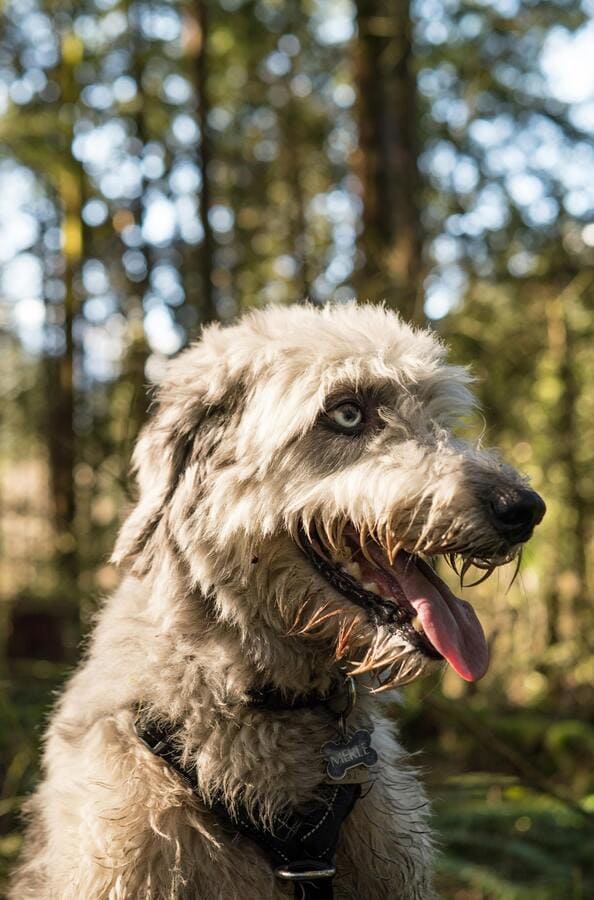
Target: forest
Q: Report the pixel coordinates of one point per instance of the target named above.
(167, 163)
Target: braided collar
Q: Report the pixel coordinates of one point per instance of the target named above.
(339, 699)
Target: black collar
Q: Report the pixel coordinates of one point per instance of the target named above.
(339, 698)
(300, 843)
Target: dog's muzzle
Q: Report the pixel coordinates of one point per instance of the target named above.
(407, 596)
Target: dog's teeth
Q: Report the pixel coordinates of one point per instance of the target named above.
(416, 624)
(370, 586)
(354, 569)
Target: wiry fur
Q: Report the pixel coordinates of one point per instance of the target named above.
(219, 600)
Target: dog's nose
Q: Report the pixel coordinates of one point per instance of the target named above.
(515, 513)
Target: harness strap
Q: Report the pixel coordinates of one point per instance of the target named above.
(300, 844)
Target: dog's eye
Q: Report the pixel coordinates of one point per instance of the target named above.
(347, 416)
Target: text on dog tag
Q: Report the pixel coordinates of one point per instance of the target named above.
(353, 750)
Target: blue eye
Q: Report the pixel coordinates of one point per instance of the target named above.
(348, 416)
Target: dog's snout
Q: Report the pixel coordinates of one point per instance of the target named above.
(515, 513)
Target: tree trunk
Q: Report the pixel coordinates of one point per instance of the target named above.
(61, 440)
(298, 222)
(575, 540)
(138, 350)
(207, 311)
(60, 398)
(391, 242)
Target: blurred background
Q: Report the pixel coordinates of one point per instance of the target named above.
(164, 164)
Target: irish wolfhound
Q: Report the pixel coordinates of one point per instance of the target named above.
(223, 739)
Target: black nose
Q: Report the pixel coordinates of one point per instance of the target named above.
(515, 512)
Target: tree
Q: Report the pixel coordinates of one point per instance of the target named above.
(391, 239)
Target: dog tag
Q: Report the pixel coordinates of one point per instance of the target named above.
(358, 775)
(348, 753)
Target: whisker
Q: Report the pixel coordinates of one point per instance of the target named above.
(484, 577)
(516, 570)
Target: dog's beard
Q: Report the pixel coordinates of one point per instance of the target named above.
(400, 618)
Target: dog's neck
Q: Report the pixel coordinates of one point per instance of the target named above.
(199, 681)
(230, 659)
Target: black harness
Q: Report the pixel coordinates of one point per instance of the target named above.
(301, 843)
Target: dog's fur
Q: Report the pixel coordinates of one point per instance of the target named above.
(219, 599)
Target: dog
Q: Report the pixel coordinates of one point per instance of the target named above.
(224, 736)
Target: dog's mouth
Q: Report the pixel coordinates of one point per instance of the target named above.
(405, 594)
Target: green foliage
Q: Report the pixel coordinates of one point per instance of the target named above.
(25, 701)
(503, 842)
(134, 186)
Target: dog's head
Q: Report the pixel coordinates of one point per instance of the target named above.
(302, 467)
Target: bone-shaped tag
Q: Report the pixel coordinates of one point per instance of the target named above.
(341, 756)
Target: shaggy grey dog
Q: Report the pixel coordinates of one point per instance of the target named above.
(299, 466)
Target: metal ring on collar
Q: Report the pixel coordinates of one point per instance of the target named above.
(352, 696)
(348, 695)
(351, 699)
(305, 870)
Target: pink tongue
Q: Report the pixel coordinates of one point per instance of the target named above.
(450, 624)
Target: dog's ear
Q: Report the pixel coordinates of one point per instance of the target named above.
(192, 394)
(159, 459)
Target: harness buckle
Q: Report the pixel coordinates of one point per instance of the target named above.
(305, 870)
